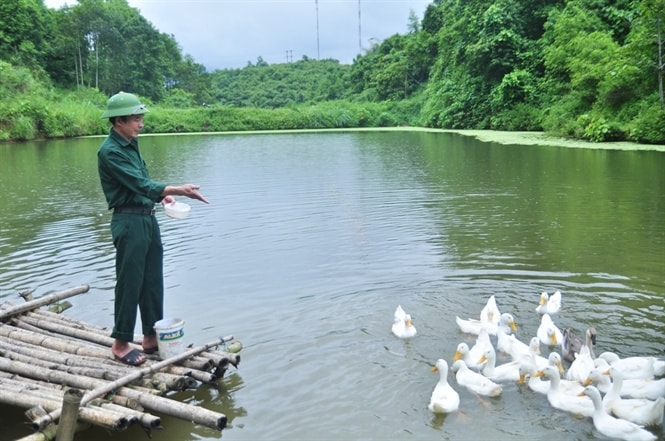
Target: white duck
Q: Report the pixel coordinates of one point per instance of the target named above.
(463, 354)
(534, 355)
(471, 356)
(548, 333)
(561, 400)
(489, 319)
(611, 427)
(554, 359)
(580, 368)
(402, 325)
(549, 304)
(490, 312)
(527, 371)
(474, 381)
(444, 399)
(638, 410)
(572, 343)
(503, 372)
(634, 367)
(632, 388)
(537, 384)
(505, 338)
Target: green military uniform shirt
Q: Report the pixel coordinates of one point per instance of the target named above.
(124, 175)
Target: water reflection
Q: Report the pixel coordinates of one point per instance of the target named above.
(311, 241)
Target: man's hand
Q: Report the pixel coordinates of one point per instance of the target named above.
(189, 190)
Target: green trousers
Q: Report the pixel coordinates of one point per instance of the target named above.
(139, 273)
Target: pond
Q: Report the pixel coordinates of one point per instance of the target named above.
(312, 240)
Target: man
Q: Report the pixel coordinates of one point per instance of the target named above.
(132, 195)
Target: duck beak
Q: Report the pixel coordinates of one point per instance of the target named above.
(457, 356)
(607, 372)
(560, 366)
(435, 369)
(553, 339)
(581, 394)
(539, 374)
(483, 359)
(513, 326)
(522, 378)
(586, 382)
(408, 323)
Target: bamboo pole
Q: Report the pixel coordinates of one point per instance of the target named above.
(70, 412)
(43, 334)
(68, 330)
(100, 417)
(59, 377)
(35, 390)
(118, 404)
(197, 415)
(198, 363)
(203, 377)
(44, 300)
(89, 366)
(52, 376)
(49, 398)
(51, 342)
(65, 325)
(106, 388)
(69, 321)
(92, 371)
(145, 419)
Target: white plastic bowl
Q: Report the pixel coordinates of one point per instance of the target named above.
(177, 210)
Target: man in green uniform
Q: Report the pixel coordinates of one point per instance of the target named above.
(132, 195)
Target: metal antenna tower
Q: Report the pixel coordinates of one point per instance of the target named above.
(318, 53)
(360, 46)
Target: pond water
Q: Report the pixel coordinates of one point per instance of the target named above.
(312, 240)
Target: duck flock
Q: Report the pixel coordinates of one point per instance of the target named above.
(622, 396)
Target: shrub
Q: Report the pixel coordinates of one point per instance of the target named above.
(598, 129)
(521, 117)
(23, 129)
(649, 126)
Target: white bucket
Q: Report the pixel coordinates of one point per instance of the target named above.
(170, 333)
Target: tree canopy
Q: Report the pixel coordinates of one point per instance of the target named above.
(589, 69)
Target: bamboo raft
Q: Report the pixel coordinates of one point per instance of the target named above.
(46, 358)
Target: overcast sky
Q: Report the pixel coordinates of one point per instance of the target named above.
(230, 33)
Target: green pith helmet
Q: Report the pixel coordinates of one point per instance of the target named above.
(123, 104)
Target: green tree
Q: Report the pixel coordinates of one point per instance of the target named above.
(192, 78)
(647, 40)
(25, 26)
(108, 45)
(479, 43)
(280, 85)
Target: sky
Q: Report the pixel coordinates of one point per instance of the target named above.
(221, 34)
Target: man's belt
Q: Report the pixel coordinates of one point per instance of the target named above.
(134, 210)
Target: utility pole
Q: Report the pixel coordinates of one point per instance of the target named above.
(360, 46)
(318, 54)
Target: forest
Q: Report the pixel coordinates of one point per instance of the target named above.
(582, 69)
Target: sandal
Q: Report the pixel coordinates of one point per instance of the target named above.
(150, 351)
(132, 358)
